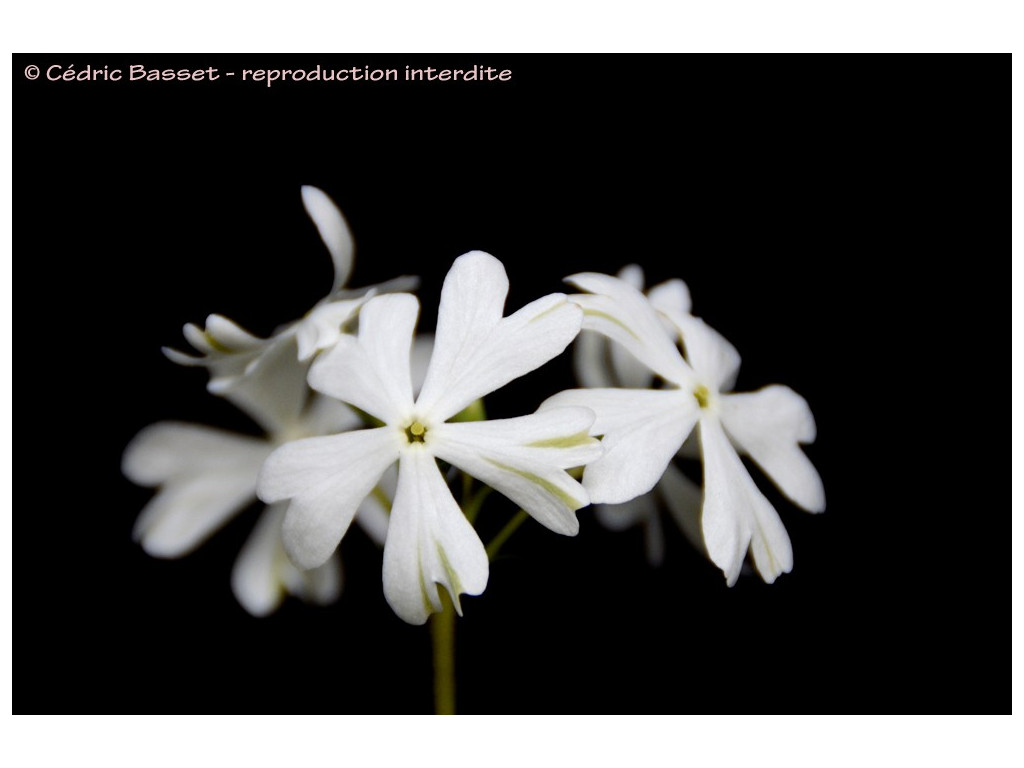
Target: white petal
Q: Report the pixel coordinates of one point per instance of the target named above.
(323, 416)
(186, 511)
(170, 449)
(623, 314)
(632, 274)
(627, 370)
(196, 336)
(263, 377)
(372, 372)
(345, 373)
(683, 497)
(643, 429)
(472, 302)
(334, 231)
(525, 458)
(736, 514)
(723, 521)
(227, 333)
(403, 284)
(176, 356)
(254, 577)
(555, 436)
(519, 344)
(206, 477)
(321, 328)
(476, 351)
(714, 359)
(672, 296)
(321, 585)
(227, 349)
(263, 574)
(327, 479)
(770, 547)
(273, 389)
(600, 362)
(221, 336)
(769, 425)
(386, 327)
(429, 542)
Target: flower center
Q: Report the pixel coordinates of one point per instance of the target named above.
(415, 432)
(703, 396)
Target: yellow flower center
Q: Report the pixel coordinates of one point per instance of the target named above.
(703, 396)
(415, 432)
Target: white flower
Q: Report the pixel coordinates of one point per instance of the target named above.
(206, 476)
(644, 428)
(429, 540)
(232, 354)
(599, 362)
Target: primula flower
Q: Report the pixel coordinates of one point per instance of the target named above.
(232, 354)
(206, 476)
(600, 362)
(644, 428)
(476, 351)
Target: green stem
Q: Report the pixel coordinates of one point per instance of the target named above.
(510, 527)
(471, 505)
(442, 635)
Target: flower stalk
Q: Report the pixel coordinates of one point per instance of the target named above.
(503, 535)
(442, 636)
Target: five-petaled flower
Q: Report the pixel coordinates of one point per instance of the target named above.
(206, 476)
(644, 428)
(477, 350)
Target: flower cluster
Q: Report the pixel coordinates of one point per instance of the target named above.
(365, 420)
(644, 427)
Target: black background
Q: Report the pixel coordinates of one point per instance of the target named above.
(837, 218)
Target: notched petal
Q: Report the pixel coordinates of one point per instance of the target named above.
(736, 515)
(204, 477)
(429, 543)
(326, 478)
(769, 425)
(476, 350)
